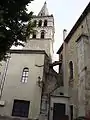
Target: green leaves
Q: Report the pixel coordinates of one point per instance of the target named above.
(15, 24)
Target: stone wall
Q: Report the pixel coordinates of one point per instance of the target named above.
(78, 53)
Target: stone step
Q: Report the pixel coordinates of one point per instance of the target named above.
(12, 118)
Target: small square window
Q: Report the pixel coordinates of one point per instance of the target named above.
(20, 108)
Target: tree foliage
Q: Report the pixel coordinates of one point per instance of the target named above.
(13, 24)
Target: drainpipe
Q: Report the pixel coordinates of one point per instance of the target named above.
(4, 76)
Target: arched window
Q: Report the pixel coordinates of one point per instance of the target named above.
(45, 23)
(40, 23)
(34, 34)
(42, 34)
(71, 69)
(25, 75)
(35, 23)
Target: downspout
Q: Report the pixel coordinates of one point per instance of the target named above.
(4, 76)
(49, 108)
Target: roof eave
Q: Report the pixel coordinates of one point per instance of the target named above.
(81, 18)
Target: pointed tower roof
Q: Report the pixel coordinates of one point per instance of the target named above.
(44, 10)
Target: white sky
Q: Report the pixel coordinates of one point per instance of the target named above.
(66, 13)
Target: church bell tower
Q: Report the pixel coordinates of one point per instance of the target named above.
(42, 37)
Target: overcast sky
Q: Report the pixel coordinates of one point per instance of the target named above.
(66, 13)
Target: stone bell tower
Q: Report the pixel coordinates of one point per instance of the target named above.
(42, 37)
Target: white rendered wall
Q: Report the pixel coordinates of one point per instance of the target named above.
(15, 89)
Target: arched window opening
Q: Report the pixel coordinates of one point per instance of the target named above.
(34, 35)
(71, 69)
(45, 23)
(35, 23)
(25, 75)
(40, 23)
(42, 34)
